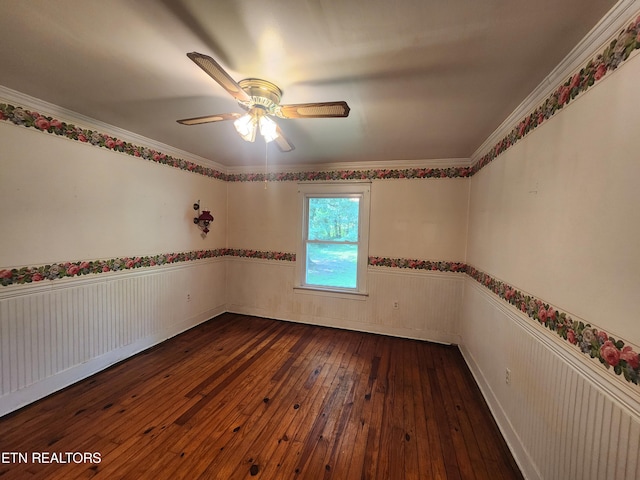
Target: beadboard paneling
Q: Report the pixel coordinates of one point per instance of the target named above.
(562, 415)
(55, 333)
(428, 302)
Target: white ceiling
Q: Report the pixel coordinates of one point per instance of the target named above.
(425, 79)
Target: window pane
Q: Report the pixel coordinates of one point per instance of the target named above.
(332, 265)
(334, 219)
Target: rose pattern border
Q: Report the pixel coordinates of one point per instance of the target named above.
(438, 266)
(260, 254)
(617, 52)
(612, 353)
(587, 338)
(32, 119)
(54, 271)
(370, 174)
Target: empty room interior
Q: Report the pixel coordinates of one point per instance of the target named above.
(320, 239)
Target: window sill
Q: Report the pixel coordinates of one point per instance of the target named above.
(326, 292)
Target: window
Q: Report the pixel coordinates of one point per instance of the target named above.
(333, 250)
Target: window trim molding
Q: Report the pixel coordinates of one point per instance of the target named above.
(323, 189)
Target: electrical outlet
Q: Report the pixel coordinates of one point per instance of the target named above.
(507, 376)
(188, 297)
(396, 305)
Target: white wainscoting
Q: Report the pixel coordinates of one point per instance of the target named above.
(564, 415)
(429, 303)
(53, 334)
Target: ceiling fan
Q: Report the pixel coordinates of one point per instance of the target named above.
(261, 100)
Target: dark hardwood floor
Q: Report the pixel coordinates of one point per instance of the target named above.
(246, 397)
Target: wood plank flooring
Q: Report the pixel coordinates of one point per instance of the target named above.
(246, 397)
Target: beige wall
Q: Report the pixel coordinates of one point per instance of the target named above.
(557, 215)
(417, 218)
(263, 218)
(413, 219)
(61, 200)
(64, 201)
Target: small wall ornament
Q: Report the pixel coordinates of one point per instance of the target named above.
(204, 218)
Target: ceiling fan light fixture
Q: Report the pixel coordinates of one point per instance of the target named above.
(246, 127)
(248, 124)
(268, 129)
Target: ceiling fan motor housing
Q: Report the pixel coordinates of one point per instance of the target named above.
(263, 94)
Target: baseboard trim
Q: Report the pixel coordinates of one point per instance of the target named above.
(520, 454)
(423, 335)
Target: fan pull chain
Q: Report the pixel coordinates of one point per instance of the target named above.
(266, 163)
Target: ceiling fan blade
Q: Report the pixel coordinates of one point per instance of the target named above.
(209, 118)
(315, 110)
(283, 144)
(215, 71)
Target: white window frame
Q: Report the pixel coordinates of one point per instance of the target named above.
(324, 190)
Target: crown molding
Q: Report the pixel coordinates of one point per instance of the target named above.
(31, 103)
(68, 116)
(602, 33)
(381, 165)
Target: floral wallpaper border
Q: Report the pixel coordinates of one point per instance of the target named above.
(54, 271)
(418, 264)
(371, 174)
(622, 359)
(588, 339)
(259, 254)
(618, 51)
(32, 119)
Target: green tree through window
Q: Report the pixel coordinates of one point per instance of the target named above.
(332, 244)
(334, 219)
(333, 252)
